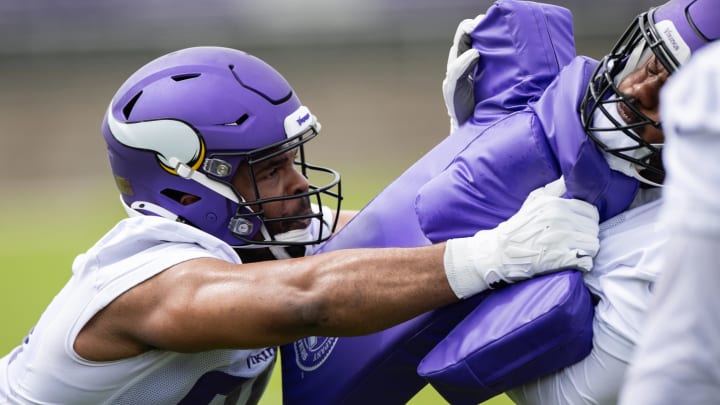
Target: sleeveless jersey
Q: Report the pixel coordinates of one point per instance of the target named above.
(45, 369)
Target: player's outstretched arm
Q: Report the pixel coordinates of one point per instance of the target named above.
(206, 304)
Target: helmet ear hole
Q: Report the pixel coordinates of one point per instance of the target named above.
(180, 196)
(188, 199)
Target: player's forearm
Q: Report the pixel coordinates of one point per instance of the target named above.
(366, 290)
(215, 304)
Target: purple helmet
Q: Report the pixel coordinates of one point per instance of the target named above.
(187, 121)
(672, 32)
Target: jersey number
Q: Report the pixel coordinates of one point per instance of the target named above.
(212, 384)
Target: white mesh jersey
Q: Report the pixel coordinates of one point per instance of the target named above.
(45, 369)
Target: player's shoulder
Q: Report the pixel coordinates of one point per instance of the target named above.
(148, 230)
(146, 234)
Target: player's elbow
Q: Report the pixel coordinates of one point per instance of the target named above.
(310, 310)
(314, 310)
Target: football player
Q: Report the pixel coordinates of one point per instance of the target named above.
(207, 147)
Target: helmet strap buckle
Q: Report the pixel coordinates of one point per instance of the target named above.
(240, 226)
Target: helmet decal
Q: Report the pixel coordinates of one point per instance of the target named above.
(124, 186)
(677, 45)
(167, 138)
(301, 120)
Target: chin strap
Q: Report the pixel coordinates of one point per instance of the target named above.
(295, 235)
(279, 251)
(187, 172)
(134, 210)
(312, 232)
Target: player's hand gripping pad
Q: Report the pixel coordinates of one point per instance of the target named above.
(382, 367)
(516, 335)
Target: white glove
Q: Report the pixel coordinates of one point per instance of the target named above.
(457, 87)
(547, 234)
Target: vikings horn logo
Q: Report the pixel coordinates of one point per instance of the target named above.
(166, 137)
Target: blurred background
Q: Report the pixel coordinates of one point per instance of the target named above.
(370, 70)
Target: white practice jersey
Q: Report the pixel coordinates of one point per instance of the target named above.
(624, 273)
(45, 369)
(622, 282)
(678, 356)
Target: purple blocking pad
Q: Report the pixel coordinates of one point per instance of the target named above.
(515, 335)
(525, 133)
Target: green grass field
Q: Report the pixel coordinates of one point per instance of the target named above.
(40, 239)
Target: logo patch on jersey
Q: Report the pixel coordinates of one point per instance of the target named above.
(261, 357)
(311, 352)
